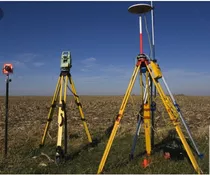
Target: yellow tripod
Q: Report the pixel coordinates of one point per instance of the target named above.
(153, 75)
(61, 90)
(152, 70)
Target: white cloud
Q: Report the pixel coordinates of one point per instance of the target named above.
(113, 69)
(20, 60)
(18, 64)
(20, 77)
(38, 64)
(84, 70)
(88, 60)
(96, 79)
(24, 60)
(88, 64)
(26, 57)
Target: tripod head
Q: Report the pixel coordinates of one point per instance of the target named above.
(66, 62)
(139, 56)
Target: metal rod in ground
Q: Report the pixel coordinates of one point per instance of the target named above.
(135, 137)
(6, 116)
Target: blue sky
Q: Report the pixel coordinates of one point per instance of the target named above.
(103, 38)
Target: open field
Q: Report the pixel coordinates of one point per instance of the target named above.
(28, 116)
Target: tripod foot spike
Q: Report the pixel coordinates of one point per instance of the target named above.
(201, 156)
(146, 162)
(59, 154)
(94, 143)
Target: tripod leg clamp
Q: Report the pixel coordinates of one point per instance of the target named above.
(62, 119)
(54, 104)
(49, 119)
(78, 103)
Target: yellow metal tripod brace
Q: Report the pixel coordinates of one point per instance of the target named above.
(61, 91)
(155, 73)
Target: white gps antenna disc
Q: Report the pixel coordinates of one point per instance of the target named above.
(139, 8)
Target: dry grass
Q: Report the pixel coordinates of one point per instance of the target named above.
(27, 118)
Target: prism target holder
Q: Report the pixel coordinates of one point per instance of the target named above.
(7, 69)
